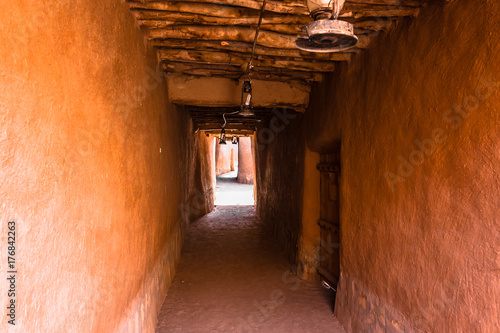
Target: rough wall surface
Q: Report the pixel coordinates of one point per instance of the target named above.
(309, 241)
(418, 121)
(91, 168)
(246, 164)
(279, 160)
(212, 142)
(200, 177)
(226, 158)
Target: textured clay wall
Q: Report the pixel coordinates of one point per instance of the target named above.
(226, 158)
(92, 170)
(246, 164)
(279, 160)
(418, 121)
(308, 246)
(200, 177)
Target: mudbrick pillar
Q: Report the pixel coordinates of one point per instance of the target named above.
(245, 161)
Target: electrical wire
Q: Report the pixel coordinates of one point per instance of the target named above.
(224, 116)
(249, 66)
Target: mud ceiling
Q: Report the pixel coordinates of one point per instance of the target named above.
(213, 39)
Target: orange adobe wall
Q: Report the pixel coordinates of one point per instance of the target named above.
(92, 168)
(246, 164)
(226, 158)
(418, 120)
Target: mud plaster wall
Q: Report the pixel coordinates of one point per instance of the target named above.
(279, 158)
(212, 142)
(200, 173)
(308, 249)
(418, 121)
(226, 158)
(246, 164)
(91, 168)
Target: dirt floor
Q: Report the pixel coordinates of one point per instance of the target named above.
(233, 278)
(230, 192)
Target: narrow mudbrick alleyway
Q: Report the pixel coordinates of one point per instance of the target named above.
(234, 278)
(238, 166)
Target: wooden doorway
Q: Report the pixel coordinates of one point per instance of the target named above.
(329, 222)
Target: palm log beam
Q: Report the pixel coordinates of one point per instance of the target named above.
(200, 36)
(205, 47)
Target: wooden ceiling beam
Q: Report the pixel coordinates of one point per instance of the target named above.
(229, 132)
(214, 57)
(246, 48)
(380, 13)
(234, 33)
(208, 116)
(403, 3)
(288, 7)
(200, 18)
(235, 72)
(363, 27)
(266, 38)
(235, 8)
(280, 20)
(205, 46)
(289, 29)
(217, 126)
(196, 109)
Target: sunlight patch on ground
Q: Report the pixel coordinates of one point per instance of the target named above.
(231, 193)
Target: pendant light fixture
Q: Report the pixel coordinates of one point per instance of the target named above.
(222, 138)
(246, 107)
(326, 33)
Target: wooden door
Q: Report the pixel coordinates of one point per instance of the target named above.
(329, 222)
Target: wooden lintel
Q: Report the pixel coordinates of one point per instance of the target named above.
(219, 92)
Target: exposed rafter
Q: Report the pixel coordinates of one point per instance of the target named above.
(210, 118)
(217, 33)
(205, 46)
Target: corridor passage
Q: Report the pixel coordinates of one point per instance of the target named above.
(233, 278)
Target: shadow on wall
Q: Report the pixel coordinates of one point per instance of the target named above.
(279, 158)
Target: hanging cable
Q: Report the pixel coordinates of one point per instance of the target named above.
(224, 116)
(249, 66)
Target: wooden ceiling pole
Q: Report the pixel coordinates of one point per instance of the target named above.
(212, 43)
